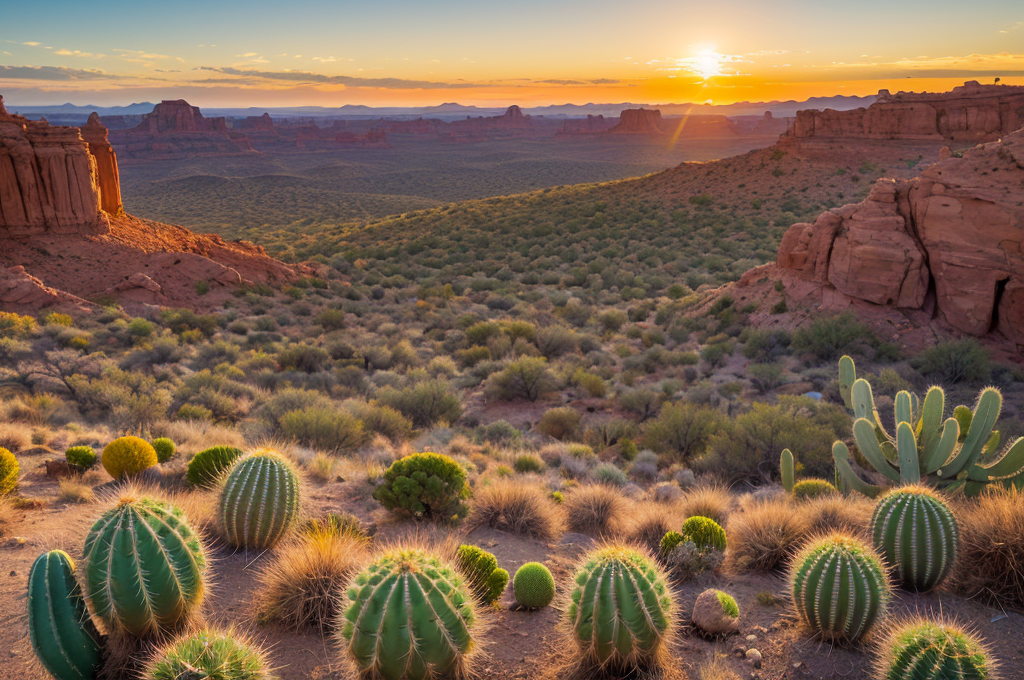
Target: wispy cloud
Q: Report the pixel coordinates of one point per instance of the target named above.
(141, 55)
(53, 73)
(78, 53)
(347, 81)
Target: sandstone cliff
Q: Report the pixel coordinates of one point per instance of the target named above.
(108, 178)
(639, 121)
(175, 129)
(512, 121)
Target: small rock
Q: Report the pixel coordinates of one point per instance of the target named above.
(751, 638)
(710, 615)
(13, 573)
(16, 541)
(754, 657)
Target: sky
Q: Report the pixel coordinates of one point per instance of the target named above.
(527, 52)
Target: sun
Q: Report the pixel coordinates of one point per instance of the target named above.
(707, 63)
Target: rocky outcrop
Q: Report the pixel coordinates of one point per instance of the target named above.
(176, 129)
(511, 121)
(22, 292)
(47, 180)
(373, 139)
(420, 126)
(770, 125)
(108, 178)
(972, 113)
(590, 125)
(639, 121)
(949, 242)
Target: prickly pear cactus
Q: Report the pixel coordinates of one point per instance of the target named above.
(259, 501)
(409, 616)
(63, 636)
(144, 567)
(917, 534)
(840, 588)
(621, 607)
(921, 649)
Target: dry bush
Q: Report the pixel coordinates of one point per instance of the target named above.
(74, 491)
(15, 437)
(715, 502)
(302, 584)
(191, 436)
(517, 507)
(596, 509)
(321, 467)
(848, 515)
(990, 563)
(716, 669)
(650, 522)
(765, 535)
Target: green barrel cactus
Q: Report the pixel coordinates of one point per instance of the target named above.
(9, 471)
(128, 456)
(208, 465)
(165, 449)
(621, 607)
(807, 489)
(959, 452)
(409, 616)
(917, 534)
(840, 587)
(259, 501)
(669, 541)
(208, 654)
(920, 649)
(482, 573)
(705, 533)
(787, 468)
(533, 586)
(62, 633)
(144, 567)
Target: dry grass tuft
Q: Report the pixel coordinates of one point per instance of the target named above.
(303, 584)
(192, 436)
(517, 507)
(834, 513)
(322, 467)
(650, 522)
(765, 535)
(715, 502)
(990, 563)
(15, 436)
(716, 668)
(596, 510)
(74, 491)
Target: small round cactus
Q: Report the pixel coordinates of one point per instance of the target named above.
(164, 448)
(209, 464)
(920, 649)
(128, 456)
(917, 534)
(208, 654)
(9, 471)
(63, 636)
(806, 489)
(533, 586)
(80, 457)
(621, 607)
(409, 616)
(840, 587)
(705, 533)
(669, 542)
(144, 567)
(482, 573)
(259, 501)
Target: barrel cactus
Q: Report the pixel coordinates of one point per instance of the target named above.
(144, 567)
(840, 587)
(921, 649)
(482, 573)
(917, 534)
(63, 636)
(705, 533)
(259, 501)
(9, 471)
(209, 654)
(80, 457)
(409, 616)
(209, 464)
(621, 607)
(165, 449)
(128, 456)
(807, 489)
(533, 586)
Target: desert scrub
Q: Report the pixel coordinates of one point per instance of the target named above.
(533, 586)
(336, 523)
(209, 654)
(765, 535)
(209, 464)
(926, 649)
(128, 456)
(528, 462)
(81, 458)
(517, 507)
(562, 422)
(9, 471)
(990, 565)
(713, 502)
(164, 448)
(649, 522)
(812, 488)
(259, 501)
(705, 533)
(427, 485)
(482, 573)
(596, 509)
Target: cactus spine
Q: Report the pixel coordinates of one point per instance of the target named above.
(920, 649)
(209, 654)
(409, 616)
(924, 448)
(63, 636)
(260, 500)
(144, 567)
(787, 466)
(839, 587)
(621, 607)
(916, 533)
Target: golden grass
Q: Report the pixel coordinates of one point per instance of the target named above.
(517, 507)
(15, 436)
(717, 668)
(835, 513)
(8, 515)
(649, 522)
(192, 436)
(74, 491)
(303, 583)
(990, 563)
(765, 535)
(321, 467)
(715, 502)
(596, 510)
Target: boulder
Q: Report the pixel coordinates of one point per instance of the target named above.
(710, 615)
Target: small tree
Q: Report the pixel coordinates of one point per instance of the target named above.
(527, 378)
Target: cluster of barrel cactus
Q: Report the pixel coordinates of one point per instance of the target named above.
(481, 569)
(955, 453)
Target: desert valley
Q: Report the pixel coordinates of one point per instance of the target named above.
(418, 392)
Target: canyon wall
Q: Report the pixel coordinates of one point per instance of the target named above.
(639, 121)
(108, 178)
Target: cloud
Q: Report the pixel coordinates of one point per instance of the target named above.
(140, 55)
(52, 73)
(78, 53)
(347, 81)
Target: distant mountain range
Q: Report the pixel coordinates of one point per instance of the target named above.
(453, 111)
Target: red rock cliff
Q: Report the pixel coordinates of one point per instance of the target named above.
(108, 178)
(639, 121)
(174, 129)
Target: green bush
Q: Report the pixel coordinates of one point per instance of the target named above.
(128, 456)
(527, 378)
(164, 448)
(385, 421)
(9, 471)
(81, 457)
(533, 586)
(528, 462)
(682, 430)
(207, 466)
(305, 358)
(425, 404)
(955, 361)
(829, 337)
(607, 473)
(812, 488)
(562, 422)
(482, 573)
(329, 428)
(704, 532)
(428, 485)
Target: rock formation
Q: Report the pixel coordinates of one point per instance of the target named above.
(972, 113)
(949, 242)
(639, 121)
(175, 129)
(770, 125)
(107, 177)
(47, 180)
(511, 121)
(373, 139)
(585, 126)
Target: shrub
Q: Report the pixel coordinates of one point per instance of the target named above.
(299, 585)
(533, 586)
(834, 513)
(527, 378)
(9, 471)
(765, 535)
(597, 510)
(164, 448)
(208, 654)
(305, 358)
(80, 457)
(516, 507)
(990, 564)
(128, 456)
(426, 403)
(829, 337)
(336, 524)
(528, 462)
(926, 649)
(682, 430)
(955, 361)
(608, 473)
(194, 412)
(207, 466)
(704, 532)
(714, 502)
(324, 427)
(482, 573)
(812, 488)
(385, 421)
(561, 423)
(649, 522)
(428, 485)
